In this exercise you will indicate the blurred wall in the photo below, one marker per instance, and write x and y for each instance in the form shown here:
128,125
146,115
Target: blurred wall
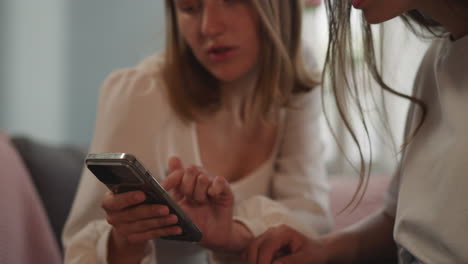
32,43
3,21
56,53
103,36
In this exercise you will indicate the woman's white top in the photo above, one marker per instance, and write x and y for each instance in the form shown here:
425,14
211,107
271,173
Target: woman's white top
134,116
429,194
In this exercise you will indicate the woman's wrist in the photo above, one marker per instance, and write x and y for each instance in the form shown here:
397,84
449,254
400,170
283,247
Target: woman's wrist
339,247
120,250
242,236
239,238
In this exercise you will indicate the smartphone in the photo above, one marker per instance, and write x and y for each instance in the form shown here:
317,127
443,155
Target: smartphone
122,172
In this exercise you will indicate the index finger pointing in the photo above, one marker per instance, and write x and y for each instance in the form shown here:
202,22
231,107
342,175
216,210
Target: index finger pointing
174,179
174,164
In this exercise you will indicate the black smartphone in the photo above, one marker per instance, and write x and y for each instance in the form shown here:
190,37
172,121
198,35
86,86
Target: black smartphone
122,172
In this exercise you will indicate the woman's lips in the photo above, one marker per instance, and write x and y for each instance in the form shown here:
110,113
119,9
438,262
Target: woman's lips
221,53
357,3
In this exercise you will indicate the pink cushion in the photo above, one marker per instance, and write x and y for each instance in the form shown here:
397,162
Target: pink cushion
25,233
342,191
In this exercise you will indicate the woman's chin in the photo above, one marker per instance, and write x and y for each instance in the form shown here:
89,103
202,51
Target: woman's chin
377,18
226,77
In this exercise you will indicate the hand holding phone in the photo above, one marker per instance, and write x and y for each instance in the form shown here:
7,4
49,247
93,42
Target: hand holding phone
123,173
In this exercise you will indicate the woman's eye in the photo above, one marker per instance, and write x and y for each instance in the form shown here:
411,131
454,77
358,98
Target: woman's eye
189,9
189,6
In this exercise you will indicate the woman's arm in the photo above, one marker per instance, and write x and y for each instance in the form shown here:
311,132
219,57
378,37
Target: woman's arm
370,241
120,127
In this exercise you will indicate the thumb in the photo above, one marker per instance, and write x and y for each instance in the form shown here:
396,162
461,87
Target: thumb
174,179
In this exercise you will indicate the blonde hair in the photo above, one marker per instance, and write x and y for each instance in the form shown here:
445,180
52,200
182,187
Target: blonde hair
281,72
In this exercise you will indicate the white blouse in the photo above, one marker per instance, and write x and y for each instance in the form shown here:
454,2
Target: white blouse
134,116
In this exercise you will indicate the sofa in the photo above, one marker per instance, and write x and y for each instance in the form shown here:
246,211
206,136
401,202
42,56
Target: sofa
55,172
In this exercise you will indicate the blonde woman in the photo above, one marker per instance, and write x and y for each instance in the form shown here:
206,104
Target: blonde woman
231,96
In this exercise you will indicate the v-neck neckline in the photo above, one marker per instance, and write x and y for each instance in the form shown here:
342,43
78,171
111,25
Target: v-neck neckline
273,154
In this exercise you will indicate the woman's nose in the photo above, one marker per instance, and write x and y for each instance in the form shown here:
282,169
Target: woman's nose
213,20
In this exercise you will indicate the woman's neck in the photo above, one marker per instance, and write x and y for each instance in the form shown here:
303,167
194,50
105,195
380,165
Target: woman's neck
453,15
234,96
235,93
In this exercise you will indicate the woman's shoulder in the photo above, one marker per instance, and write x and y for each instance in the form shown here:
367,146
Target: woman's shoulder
136,89
146,73
151,65
132,85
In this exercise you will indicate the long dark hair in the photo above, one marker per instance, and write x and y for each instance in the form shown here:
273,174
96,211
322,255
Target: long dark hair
420,24
340,75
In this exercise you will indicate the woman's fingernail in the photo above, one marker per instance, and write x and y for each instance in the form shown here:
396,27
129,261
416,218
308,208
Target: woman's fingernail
174,219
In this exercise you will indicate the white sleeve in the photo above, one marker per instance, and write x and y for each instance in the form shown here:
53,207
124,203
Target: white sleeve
86,232
299,185
89,245
391,197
